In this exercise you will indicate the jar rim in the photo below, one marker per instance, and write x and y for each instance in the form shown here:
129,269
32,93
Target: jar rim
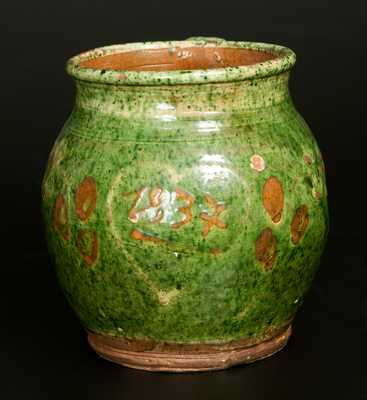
280,59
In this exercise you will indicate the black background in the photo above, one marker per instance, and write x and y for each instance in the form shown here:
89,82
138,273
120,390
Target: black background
44,354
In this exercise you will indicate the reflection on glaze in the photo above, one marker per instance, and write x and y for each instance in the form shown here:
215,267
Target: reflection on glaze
157,205
165,107
209,126
212,168
213,158
213,172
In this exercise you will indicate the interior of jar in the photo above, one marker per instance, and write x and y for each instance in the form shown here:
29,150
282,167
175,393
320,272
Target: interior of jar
178,58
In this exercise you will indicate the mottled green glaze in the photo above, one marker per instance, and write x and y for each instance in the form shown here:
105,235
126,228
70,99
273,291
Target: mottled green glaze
192,132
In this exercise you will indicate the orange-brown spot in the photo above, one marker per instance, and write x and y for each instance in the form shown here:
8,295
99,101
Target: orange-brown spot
299,223
265,247
210,221
318,195
215,251
186,209
86,198
87,244
139,235
257,163
273,198
60,217
307,159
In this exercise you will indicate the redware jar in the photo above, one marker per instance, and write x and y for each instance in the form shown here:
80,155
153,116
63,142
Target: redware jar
185,202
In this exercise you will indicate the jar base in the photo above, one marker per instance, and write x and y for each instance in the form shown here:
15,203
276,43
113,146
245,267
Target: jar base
184,358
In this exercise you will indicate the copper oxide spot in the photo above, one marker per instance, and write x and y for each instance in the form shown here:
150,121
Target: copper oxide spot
299,223
87,244
86,198
265,248
60,217
273,198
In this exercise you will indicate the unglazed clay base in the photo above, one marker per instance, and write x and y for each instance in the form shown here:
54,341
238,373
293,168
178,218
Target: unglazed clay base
184,358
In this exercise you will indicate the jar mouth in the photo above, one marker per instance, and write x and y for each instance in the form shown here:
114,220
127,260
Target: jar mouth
196,60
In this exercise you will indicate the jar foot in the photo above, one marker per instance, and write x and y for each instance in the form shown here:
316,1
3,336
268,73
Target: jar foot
165,357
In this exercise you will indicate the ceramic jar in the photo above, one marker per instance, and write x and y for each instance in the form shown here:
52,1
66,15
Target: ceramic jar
185,202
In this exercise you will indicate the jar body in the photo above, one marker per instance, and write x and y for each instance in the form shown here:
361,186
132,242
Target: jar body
186,215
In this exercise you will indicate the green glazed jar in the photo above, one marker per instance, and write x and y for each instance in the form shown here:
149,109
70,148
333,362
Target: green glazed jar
185,202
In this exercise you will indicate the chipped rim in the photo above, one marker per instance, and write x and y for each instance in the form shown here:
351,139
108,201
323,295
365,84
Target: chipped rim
284,61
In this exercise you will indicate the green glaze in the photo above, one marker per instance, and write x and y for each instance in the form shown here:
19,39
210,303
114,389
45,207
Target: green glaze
179,146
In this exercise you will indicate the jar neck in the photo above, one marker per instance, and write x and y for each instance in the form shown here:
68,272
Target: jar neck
182,101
